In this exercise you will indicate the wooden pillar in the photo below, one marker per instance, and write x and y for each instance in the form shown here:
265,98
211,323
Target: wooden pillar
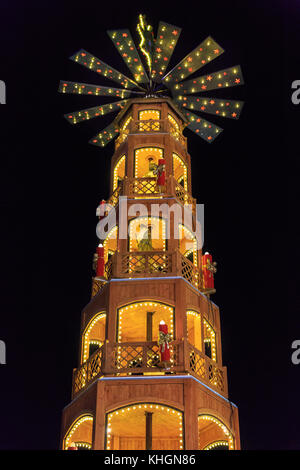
148,430
149,325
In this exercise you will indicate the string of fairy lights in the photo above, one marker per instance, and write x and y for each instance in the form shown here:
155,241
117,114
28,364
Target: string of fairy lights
124,414
222,426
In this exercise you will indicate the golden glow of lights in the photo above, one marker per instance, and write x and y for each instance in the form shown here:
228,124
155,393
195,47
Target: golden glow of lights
221,425
140,305
120,166
216,444
177,160
148,150
152,221
75,426
184,232
144,407
212,338
86,334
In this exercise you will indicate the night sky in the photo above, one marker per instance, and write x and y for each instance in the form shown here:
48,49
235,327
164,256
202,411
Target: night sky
52,181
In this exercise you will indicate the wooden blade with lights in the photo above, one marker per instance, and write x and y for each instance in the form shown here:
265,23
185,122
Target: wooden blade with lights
226,78
94,90
97,111
218,107
91,62
203,54
166,40
123,41
105,136
205,129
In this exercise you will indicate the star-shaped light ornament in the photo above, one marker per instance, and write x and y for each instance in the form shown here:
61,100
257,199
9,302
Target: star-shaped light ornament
151,79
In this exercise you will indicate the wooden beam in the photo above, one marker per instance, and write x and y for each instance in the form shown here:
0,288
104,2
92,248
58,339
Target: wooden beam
148,430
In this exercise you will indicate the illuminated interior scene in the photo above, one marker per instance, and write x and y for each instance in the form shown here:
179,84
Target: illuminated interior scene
94,335
145,426
194,329
147,115
119,171
188,244
145,161
147,234
80,433
110,243
139,321
209,340
213,434
180,171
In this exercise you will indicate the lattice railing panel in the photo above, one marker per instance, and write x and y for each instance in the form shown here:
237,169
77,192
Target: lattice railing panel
196,362
90,369
189,271
146,263
144,186
149,125
216,376
114,198
108,268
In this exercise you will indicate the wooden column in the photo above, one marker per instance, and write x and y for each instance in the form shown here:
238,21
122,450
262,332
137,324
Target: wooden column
148,430
149,325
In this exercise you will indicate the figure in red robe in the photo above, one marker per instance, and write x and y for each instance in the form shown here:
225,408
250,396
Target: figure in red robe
208,269
164,346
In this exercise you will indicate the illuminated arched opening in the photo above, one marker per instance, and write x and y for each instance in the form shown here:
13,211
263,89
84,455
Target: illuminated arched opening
209,340
110,243
147,234
147,114
119,171
124,131
180,171
80,432
173,122
188,244
211,431
217,445
145,426
145,159
94,335
194,329
139,321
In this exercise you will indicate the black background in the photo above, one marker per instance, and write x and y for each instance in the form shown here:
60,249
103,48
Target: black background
52,181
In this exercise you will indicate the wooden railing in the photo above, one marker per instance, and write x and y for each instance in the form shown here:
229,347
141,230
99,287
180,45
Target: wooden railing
152,264
137,358
147,188
151,126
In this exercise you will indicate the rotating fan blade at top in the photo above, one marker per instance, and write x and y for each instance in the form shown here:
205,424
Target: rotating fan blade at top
123,41
91,62
226,78
94,90
203,54
166,40
105,136
219,107
205,129
91,113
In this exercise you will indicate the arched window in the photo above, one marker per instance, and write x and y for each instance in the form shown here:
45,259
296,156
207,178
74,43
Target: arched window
188,244
145,426
180,171
80,433
110,243
209,340
139,321
145,160
147,234
212,432
94,335
119,171
194,329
